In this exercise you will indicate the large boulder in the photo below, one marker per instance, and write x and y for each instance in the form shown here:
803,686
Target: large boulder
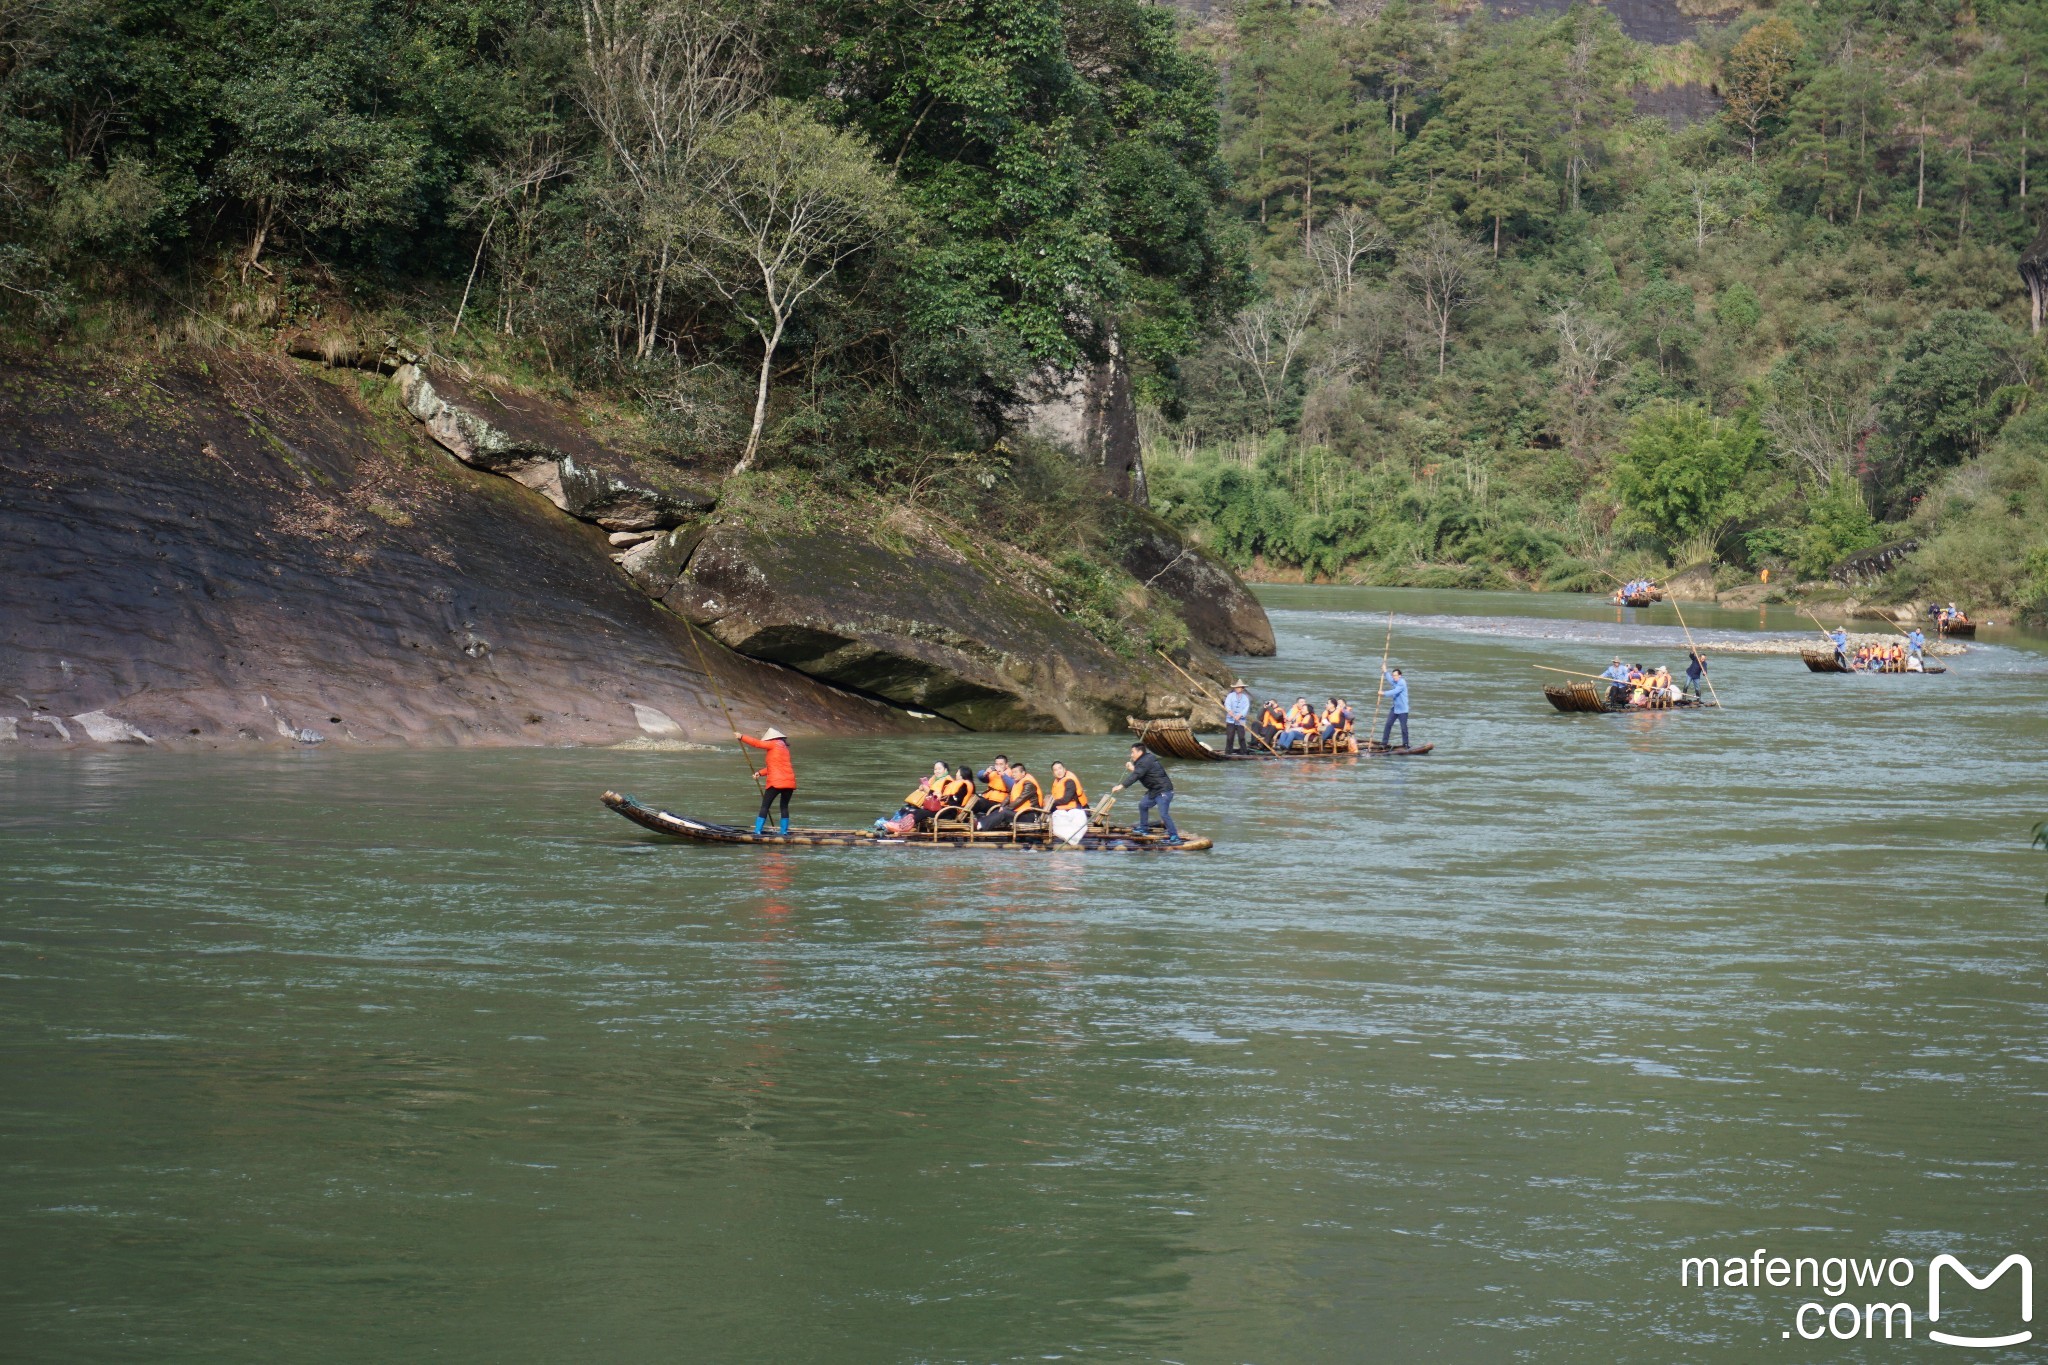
1220,611
900,614
527,440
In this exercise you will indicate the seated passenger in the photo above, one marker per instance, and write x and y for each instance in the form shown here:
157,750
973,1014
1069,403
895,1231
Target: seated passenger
1066,790
995,786
1026,805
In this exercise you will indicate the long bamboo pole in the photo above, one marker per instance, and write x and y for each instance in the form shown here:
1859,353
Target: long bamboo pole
1570,672
1385,652
719,693
1206,694
1696,654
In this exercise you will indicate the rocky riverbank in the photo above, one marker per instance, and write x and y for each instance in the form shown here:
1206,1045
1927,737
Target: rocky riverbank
242,550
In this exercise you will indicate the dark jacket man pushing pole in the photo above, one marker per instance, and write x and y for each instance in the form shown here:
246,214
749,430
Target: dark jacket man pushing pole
1146,770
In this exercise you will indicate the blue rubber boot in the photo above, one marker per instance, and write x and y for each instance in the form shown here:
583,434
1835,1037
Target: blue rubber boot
785,826
760,823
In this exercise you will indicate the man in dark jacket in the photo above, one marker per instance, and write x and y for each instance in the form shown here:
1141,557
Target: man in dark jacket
1146,770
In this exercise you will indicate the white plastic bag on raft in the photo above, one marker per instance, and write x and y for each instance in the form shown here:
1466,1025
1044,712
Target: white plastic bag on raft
1068,825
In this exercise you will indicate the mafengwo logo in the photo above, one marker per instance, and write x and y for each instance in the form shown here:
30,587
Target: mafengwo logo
1848,1315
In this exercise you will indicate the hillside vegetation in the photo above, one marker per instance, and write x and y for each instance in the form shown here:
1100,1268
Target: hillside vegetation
1407,295
1510,332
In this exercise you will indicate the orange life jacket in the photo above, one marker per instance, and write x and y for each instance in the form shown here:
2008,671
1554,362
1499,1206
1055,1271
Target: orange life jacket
1301,718
1067,793
1026,794
1332,717
956,791
998,788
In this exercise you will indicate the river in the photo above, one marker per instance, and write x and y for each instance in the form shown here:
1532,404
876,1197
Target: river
333,1057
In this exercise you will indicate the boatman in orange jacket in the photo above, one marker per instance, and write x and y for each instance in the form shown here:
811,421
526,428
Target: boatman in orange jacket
778,774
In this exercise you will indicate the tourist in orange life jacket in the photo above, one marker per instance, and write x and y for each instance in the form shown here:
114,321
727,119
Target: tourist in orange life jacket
1272,720
1332,720
1301,723
777,772
957,791
1066,790
1026,798
995,790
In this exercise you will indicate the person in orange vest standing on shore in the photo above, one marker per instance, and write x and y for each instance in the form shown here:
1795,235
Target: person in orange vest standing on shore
777,774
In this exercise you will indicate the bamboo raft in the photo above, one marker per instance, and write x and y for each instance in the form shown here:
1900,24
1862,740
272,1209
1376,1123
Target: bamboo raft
1100,838
1173,737
1641,599
1592,698
1958,630
1827,661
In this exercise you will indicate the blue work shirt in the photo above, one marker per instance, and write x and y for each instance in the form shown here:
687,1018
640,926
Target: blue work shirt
1917,641
1616,673
1841,639
1397,694
1236,706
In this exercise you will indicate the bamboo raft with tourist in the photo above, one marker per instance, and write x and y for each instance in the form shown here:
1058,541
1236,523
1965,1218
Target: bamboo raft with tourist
1175,737
1634,689
1829,661
1908,655
1295,732
949,835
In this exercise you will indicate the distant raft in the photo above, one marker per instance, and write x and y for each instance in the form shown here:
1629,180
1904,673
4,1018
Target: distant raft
1592,697
1958,630
1827,661
1641,599
1099,839
1173,737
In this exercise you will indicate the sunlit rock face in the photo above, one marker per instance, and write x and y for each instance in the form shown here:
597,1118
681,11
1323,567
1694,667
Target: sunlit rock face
251,556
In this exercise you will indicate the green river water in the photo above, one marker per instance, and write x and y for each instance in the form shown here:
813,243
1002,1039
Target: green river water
388,1056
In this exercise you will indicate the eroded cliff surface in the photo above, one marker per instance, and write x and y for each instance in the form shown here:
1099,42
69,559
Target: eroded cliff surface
250,549
263,554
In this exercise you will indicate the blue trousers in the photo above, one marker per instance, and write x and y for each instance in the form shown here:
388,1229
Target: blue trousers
1388,737
1164,800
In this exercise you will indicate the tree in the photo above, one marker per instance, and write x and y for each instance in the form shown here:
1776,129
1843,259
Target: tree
1304,117
793,200
1665,309
1592,98
1683,475
1266,339
311,150
1586,345
1822,404
1943,400
662,79
1756,77
1482,155
1347,237
1441,273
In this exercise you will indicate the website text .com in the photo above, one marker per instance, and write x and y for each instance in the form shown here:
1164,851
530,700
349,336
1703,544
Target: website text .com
1840,1312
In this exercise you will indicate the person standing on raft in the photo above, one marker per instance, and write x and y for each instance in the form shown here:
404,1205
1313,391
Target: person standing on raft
1145,769
777,773
1237,708
1395,688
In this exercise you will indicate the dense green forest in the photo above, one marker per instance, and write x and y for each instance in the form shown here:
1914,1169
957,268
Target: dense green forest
1511,331
1409,295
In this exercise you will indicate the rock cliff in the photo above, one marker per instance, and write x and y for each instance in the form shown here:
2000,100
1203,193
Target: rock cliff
251,555
259,551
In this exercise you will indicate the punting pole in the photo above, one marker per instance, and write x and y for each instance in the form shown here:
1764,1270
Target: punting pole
716,692
1380,696
1696,654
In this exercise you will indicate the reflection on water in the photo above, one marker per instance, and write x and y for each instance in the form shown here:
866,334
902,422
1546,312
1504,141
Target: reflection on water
331,1056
